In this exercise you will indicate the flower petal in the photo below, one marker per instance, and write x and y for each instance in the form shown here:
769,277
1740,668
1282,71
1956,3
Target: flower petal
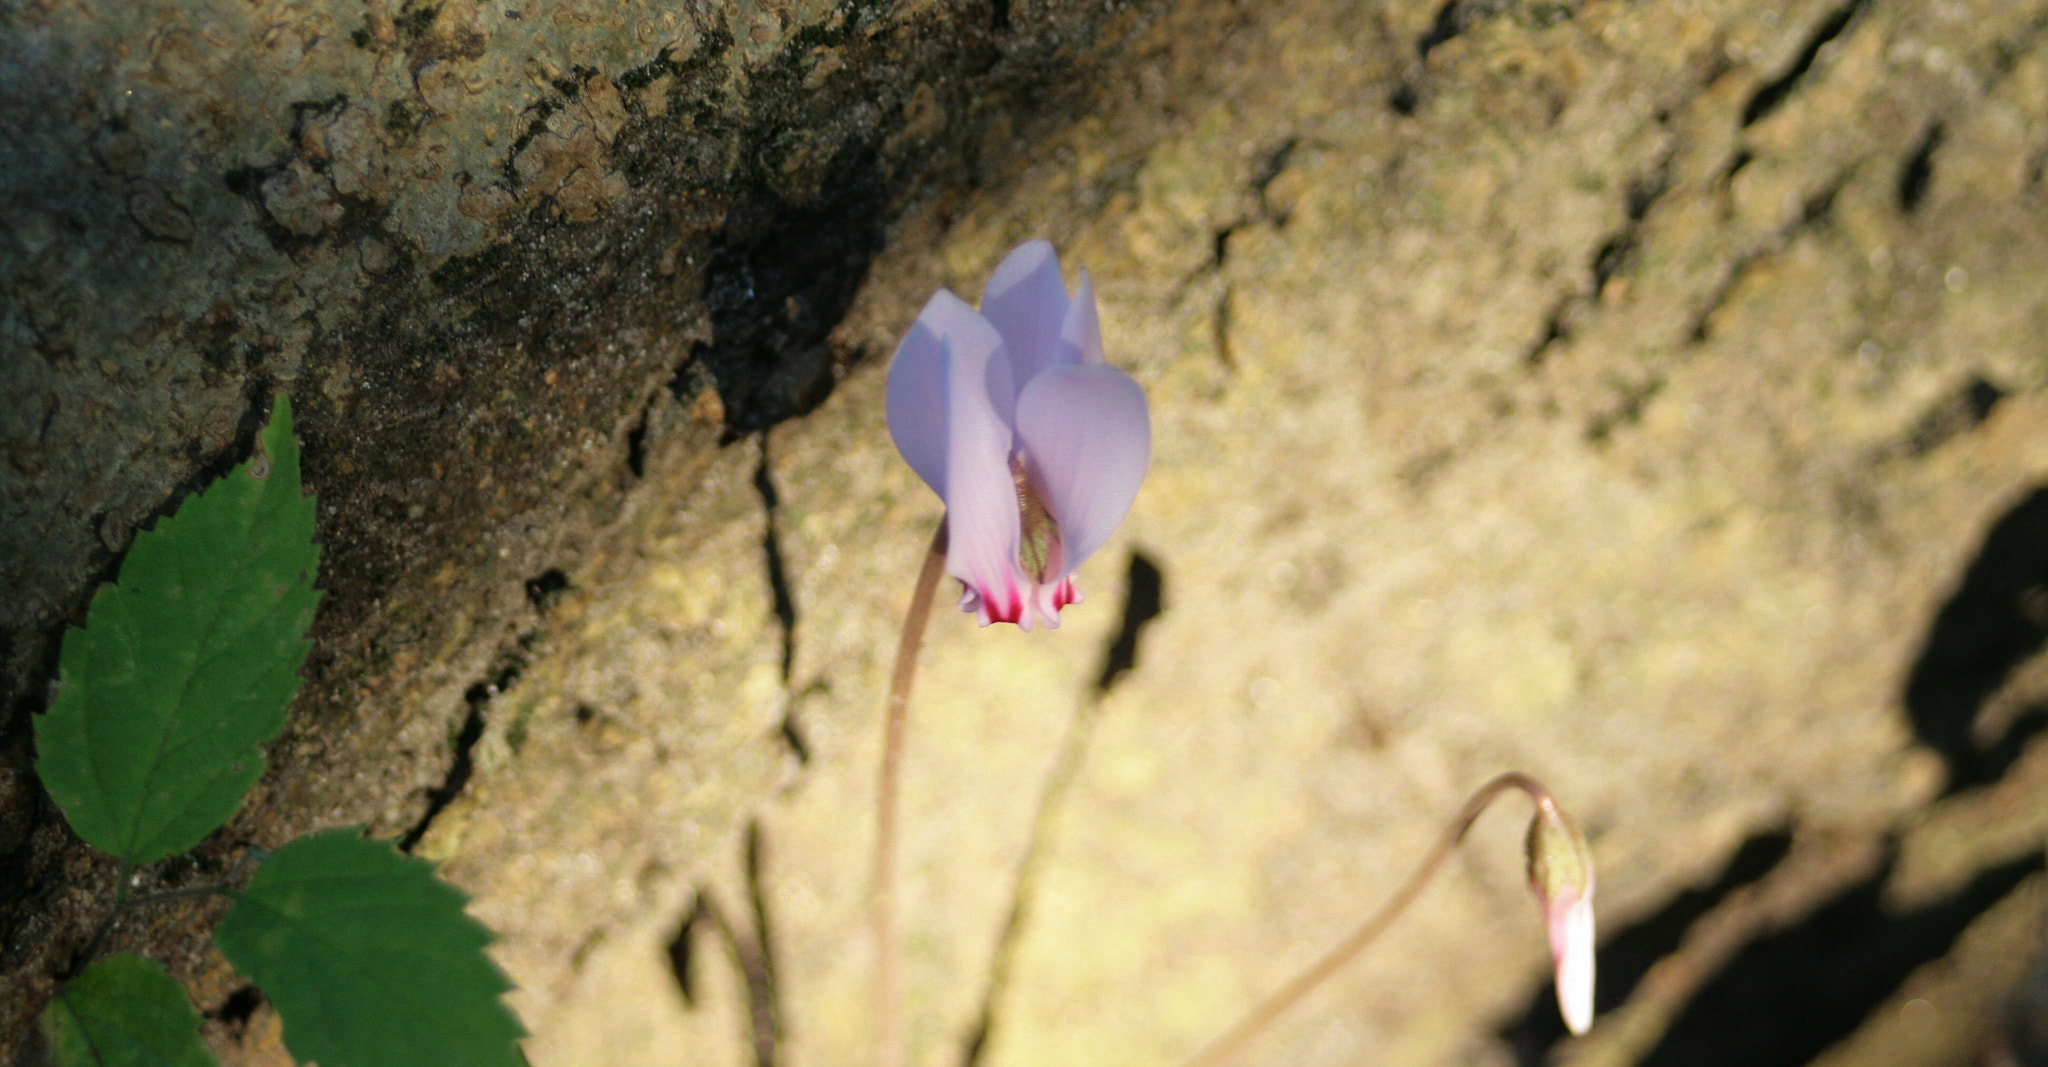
1571,951
1026,301
917,400
980,492
1087,438
1081,332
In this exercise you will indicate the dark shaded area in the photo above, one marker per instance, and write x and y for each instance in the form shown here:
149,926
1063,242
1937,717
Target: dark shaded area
463,762
792,733
1404,99
1996,619
2026,1022
27,892
1772,93
1645,190
1629,953
783,597
1611,257
546,588
1918,170
1144,587
1958,412
682,949
636,446
779,281
1276,161
1789,996
771,552
1556,328
757,200
764,1010
753,953
239,1006
1454,18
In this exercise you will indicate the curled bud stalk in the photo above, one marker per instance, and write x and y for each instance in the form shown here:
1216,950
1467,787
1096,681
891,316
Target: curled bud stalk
1560,870
1561,873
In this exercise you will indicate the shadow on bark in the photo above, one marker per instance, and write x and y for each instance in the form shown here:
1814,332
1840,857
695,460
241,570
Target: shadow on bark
1789,995
1996,620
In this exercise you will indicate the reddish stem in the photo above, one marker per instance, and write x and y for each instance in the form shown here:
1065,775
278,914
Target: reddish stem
888,991
1234,1040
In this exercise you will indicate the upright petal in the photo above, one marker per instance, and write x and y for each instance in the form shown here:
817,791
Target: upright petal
1087,438
981,494
917,400
1026,301
1081,332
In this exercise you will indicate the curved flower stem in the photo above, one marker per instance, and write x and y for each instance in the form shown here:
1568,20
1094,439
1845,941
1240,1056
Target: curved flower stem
888,994
1233,1041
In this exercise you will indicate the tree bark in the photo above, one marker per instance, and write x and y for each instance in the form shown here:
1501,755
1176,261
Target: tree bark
499,255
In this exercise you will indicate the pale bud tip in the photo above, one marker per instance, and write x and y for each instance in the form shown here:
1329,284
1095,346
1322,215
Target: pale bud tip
1571,949
1561,873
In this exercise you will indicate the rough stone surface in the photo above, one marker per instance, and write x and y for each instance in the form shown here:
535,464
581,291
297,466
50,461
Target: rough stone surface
1648,397
503,255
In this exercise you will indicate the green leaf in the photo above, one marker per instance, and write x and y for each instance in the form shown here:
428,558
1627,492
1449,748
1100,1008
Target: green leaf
124,1011
369,959
186,665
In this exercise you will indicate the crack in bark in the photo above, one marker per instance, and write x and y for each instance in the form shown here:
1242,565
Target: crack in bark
1812,214
1918,170
1615,254
1771,94
771,551
1556,329
782,596
463,763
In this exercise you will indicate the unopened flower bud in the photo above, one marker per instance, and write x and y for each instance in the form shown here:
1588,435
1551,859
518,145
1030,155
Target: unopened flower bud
1561,873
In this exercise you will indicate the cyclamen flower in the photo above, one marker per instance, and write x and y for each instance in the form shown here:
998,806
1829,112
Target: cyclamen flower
1036,446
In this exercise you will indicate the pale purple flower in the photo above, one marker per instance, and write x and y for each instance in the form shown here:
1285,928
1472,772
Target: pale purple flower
1036,446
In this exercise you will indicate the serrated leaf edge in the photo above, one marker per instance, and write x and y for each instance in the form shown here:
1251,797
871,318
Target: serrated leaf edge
410,866
277,434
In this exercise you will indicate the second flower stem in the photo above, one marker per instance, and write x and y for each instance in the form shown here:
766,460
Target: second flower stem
888,989
1231,1043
